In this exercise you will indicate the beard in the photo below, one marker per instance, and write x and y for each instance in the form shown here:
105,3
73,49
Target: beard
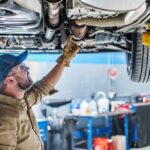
24,84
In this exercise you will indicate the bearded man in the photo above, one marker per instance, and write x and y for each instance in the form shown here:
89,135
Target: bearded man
18,128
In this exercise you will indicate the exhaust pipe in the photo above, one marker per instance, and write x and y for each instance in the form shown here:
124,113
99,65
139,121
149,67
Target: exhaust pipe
121,20
78,31
54,21
53,12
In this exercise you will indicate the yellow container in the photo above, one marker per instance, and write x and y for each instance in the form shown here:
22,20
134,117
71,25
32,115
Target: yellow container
146,38
148,26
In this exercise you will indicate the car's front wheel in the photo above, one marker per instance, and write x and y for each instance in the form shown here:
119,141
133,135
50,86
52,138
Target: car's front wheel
138,62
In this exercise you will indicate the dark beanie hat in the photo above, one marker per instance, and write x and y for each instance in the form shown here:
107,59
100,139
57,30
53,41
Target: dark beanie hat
7,62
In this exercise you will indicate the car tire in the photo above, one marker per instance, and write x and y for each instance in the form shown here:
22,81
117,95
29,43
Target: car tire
138,62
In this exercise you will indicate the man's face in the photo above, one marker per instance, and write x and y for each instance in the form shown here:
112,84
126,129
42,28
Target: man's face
22,76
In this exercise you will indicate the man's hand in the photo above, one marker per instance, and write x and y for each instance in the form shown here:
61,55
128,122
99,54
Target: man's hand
69,51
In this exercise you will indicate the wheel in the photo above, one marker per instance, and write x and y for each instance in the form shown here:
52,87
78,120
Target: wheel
138,62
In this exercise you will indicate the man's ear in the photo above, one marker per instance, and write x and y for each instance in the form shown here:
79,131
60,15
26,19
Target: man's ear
10,80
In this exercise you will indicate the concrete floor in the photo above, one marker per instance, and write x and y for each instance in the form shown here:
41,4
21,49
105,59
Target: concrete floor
145,148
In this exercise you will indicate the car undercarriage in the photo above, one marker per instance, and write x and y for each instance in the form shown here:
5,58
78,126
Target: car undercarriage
43,26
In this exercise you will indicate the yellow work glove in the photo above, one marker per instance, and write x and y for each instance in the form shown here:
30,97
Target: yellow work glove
69,51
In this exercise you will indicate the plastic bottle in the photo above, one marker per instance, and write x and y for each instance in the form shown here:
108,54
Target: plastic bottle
75,106
84,109
93,107
102,102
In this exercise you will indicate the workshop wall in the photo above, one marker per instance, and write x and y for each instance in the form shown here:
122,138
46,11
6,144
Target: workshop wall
89,74
84,77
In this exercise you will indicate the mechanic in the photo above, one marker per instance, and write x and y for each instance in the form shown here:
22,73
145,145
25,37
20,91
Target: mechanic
18,128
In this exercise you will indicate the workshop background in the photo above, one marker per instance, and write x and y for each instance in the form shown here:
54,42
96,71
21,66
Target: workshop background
87,75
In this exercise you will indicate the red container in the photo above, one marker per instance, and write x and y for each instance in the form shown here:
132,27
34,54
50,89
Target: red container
110,145
100,144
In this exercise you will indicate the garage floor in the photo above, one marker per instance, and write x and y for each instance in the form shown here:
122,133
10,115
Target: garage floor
145,148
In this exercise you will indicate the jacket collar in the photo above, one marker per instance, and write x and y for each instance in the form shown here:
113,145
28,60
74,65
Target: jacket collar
19,104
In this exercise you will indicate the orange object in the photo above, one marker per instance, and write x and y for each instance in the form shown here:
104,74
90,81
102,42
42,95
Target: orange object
100,144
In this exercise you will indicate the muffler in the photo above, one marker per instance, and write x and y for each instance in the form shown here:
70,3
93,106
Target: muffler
120,20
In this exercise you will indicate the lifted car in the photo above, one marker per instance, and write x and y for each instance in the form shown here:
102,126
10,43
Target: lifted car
42,26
